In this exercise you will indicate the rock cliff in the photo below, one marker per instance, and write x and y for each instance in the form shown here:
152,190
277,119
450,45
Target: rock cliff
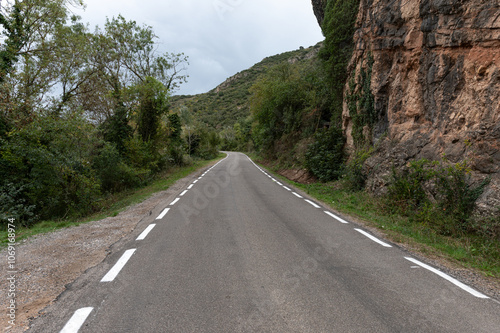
435,81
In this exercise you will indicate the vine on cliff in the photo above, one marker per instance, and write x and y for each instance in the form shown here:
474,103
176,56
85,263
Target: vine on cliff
361,104
338,28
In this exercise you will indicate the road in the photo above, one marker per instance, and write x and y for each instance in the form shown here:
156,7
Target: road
238,251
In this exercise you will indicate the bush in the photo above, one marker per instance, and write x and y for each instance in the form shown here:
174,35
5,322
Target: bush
354,178
14,205
49,160
114,175
324,157
144,157
406,192
457,193
435,193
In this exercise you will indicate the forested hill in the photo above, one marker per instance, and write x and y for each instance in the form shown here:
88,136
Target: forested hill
224,105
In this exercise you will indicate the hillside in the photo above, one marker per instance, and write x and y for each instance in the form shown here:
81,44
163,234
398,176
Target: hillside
224,105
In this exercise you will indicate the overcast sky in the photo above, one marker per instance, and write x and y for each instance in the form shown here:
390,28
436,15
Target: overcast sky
221,37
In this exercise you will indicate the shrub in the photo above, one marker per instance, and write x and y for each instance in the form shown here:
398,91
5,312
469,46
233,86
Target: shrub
324,157
114,175
435,193
49,160
354,178
14,205
457,193
406,191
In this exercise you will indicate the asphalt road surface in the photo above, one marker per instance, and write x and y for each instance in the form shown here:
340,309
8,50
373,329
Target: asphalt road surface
238,251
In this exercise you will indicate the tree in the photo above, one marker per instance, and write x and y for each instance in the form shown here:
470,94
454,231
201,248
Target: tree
152,97
277,103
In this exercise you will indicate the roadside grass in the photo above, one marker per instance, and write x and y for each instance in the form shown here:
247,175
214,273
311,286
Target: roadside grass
113,204
467,250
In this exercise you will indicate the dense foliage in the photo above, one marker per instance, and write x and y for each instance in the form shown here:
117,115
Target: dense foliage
84,114
437,194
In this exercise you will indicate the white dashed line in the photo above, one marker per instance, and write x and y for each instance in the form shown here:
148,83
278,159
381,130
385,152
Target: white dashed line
279,183
297,195
113,272
175,201
312,203
336,217
146,232
77,320
373,238
286,188
162,215
448,278
195,181
183,193
190,186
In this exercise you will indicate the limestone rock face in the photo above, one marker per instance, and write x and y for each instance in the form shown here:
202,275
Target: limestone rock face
436,85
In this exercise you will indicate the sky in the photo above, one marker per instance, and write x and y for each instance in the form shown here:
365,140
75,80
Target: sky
220,37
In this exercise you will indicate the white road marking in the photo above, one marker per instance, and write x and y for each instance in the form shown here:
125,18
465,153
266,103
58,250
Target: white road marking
113,272
77,320
279,183
336,217
373,238
448,278
182,194
190,186
146,232
195,181
298,195
312,203
175,201
286,188
162,215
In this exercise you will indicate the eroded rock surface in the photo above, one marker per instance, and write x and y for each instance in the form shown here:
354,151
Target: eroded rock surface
436,85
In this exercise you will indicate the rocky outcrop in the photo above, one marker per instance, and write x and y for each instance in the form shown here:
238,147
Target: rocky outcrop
436,85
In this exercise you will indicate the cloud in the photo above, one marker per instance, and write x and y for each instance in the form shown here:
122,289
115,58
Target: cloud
221,37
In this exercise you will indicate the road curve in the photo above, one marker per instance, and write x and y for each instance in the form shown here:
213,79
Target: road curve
238,251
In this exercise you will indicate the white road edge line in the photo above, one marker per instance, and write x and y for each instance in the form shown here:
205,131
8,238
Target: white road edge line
145,232
286,188
190,186
373,238
76,321
279,183
175,201
162,215
297,195
113,272
312,203
448,278
336,217
183,193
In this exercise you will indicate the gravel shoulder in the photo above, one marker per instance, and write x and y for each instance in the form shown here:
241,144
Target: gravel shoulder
47,263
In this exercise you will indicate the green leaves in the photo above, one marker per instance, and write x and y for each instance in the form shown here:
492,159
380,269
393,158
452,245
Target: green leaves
325,157
277,103
49,163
